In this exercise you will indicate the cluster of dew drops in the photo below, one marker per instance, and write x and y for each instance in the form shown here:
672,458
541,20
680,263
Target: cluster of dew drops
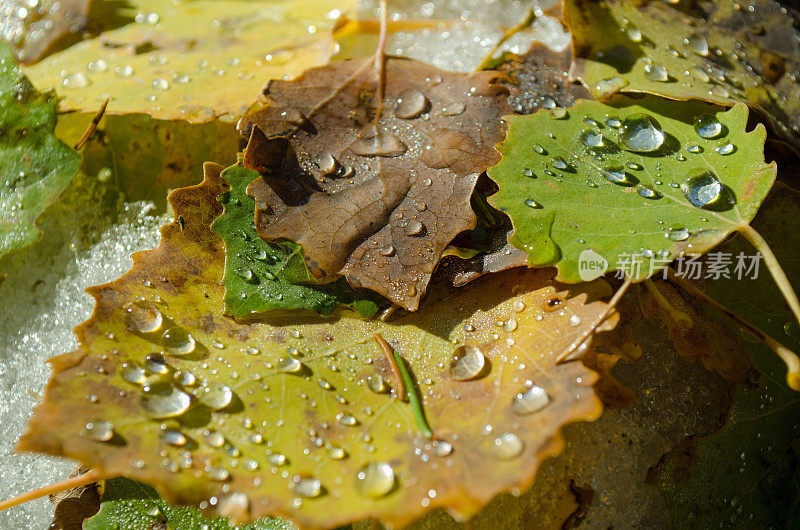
167,393
641,133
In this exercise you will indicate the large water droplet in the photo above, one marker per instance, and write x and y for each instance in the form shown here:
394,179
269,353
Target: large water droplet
214,438
307,487
289,365
162,400
678,234
696,44
507,445
382,144
142,317
155,364
615,172
216,396
725,149
531,400
708,126
454,109
468,363
640,133
178,341
633,33
410,104
560,163
132,373
375,479
376,383
656,72
99,431
591,138
347,419
648,193
414,227
704,190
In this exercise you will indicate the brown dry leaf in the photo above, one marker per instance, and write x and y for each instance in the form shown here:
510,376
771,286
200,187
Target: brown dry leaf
279,418
375,202
71,507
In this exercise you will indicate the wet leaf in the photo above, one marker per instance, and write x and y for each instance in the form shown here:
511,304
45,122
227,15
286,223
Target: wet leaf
35,165
758,443
720,52
262,276
377,206
35,29
204,407
130,505
633,183
194,61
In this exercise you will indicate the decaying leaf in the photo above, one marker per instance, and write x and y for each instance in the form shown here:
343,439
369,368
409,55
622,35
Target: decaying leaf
297,418
35,166
71,507
717,51
373,190
129,505
759,442
628,186
34,29
262,276
195,61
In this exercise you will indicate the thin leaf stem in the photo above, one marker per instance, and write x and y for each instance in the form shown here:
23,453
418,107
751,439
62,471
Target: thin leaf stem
787,356
399,384
411,389
92,126
771,261
63,485
596,322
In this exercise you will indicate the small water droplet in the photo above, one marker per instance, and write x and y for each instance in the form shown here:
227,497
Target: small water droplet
574,320
507,445
560,163
510,325
178,341
217,474
414,227
591,138
453,109
719,90
530,203
468,362
648,193
697,44
276,459
173,437
99,431
75,80
558,113
216,396
441,448
614,122
155,364
213,439
162,400
633,33
640,133
382,144
531,400
307,487
678,234
347,419
289,365
133,373
694,149
539,149
725,149
161,84
708,126
410,104
375,479
615,172
376,383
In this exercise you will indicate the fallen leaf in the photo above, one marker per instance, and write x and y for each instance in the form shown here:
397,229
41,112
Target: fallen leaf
129,504
719,53
256,419
36,166
193,61
628,186
758,443
71,507
261,276
378,206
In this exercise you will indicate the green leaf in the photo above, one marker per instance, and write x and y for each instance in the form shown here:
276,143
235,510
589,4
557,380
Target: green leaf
715,51
130,505
566,198
35,166
262,276
747,474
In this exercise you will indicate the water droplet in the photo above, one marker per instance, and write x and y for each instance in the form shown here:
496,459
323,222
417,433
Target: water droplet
558,113
98,66
708,126
414,227
633,33
99,431
530,203
213,438
700,74
289,365
615,172
610,85
648,193
217,474
142,317
75,80
185,378
347,419
276,459
655,72
178,341
719,90
468,362
173,437
560,163
307,487
375,479
216,396
531,400
640,133
694,149
324,384
725,149
124,71
410,104
510,324
161,84
376,383
539,149
591,138
696,44
441,448
382,144
155,364
575,320
614,122
704,190
678,234
453,109
162,400
507,445
132,373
